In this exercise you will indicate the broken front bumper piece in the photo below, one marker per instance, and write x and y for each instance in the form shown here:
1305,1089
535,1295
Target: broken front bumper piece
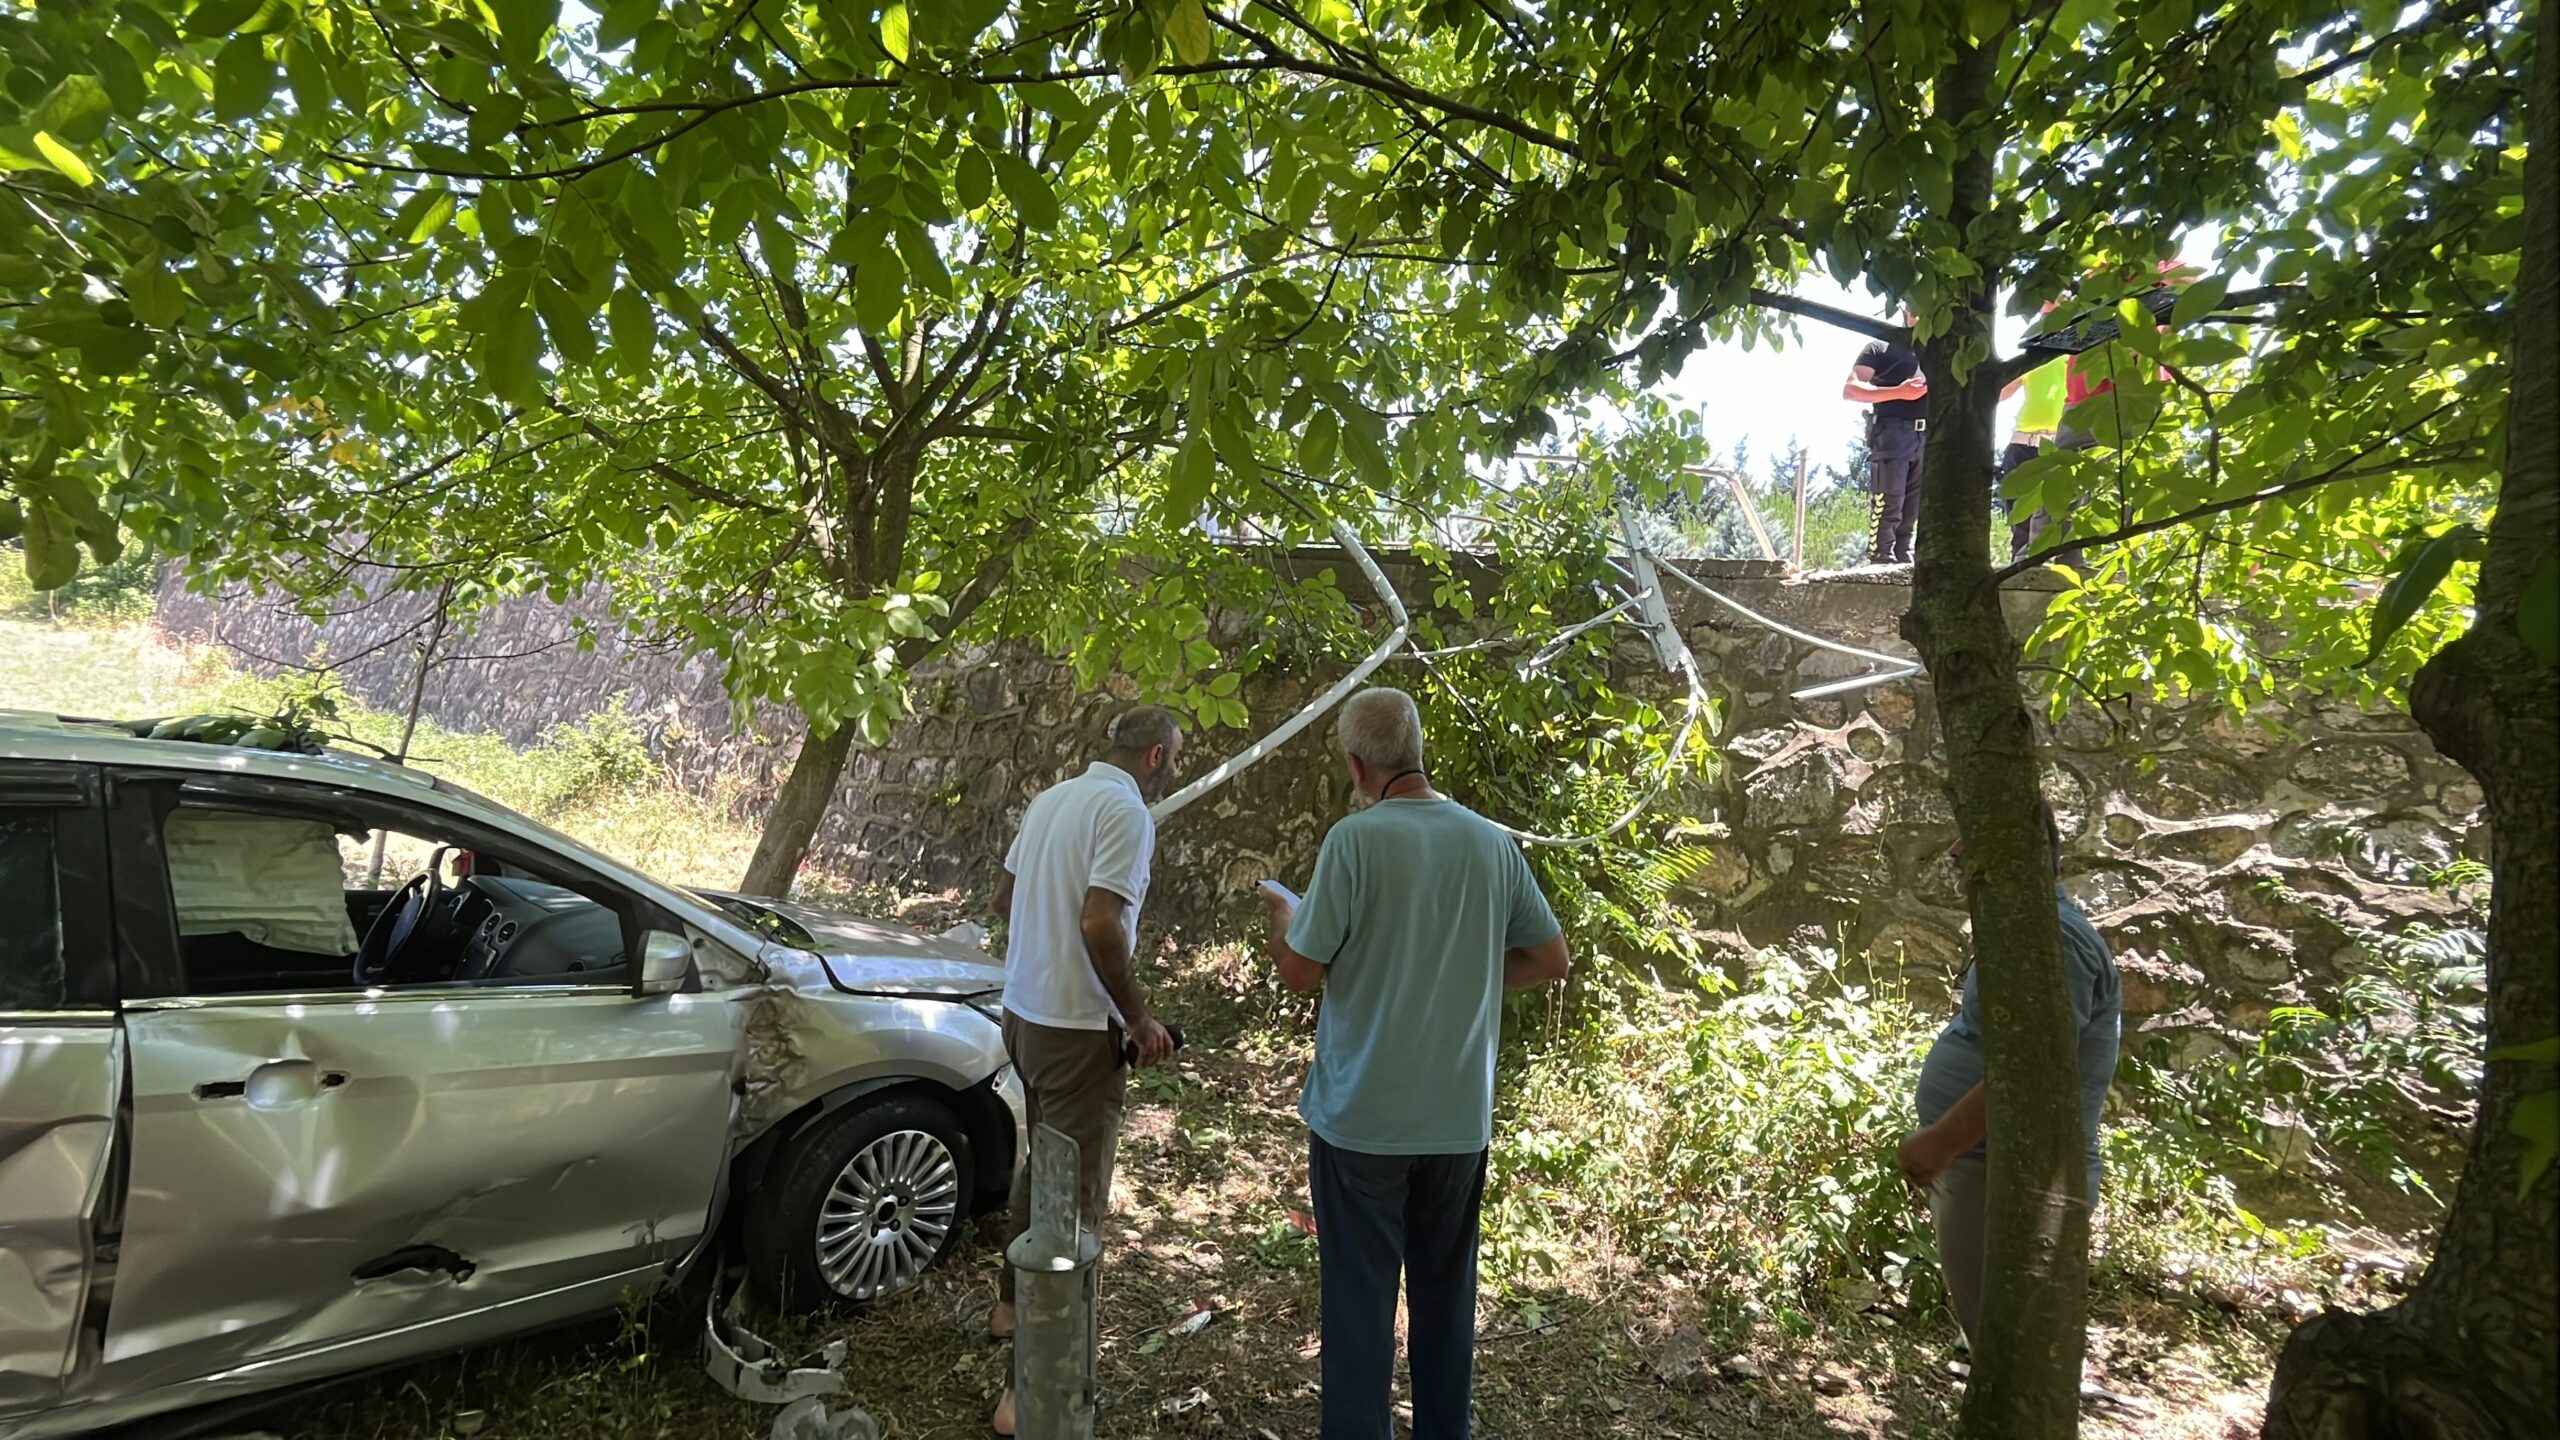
746,1365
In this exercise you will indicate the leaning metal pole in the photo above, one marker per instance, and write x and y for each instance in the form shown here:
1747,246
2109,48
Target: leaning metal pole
1054,1272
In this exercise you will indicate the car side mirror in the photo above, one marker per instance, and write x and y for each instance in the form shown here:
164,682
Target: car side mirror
666,962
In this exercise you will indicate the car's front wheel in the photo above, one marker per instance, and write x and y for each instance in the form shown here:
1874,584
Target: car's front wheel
861,1204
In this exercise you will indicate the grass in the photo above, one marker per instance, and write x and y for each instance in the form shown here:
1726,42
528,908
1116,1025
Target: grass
590,779
1692,1212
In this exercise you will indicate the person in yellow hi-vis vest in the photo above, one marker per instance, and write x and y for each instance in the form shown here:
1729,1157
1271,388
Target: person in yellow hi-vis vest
2038,420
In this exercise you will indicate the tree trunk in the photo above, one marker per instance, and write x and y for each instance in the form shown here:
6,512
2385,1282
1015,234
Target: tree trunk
2026,1372
797,808
2475,1349
811,786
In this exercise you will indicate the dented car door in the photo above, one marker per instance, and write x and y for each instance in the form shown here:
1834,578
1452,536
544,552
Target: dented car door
356,1176
61,1076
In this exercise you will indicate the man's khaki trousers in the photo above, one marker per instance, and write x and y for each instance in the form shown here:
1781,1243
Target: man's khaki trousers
1073,1081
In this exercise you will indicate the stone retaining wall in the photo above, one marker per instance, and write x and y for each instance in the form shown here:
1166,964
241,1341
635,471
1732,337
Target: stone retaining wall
2233,865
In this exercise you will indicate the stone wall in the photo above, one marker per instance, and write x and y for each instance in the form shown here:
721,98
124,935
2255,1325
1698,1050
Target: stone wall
2233,865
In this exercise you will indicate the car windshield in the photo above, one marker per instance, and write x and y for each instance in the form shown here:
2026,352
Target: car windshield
772,925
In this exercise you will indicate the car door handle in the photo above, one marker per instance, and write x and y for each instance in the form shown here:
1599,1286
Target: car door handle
276,1085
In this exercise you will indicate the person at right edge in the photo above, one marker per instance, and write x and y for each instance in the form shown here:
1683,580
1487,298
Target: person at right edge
1948,1156
1421,914
1887,377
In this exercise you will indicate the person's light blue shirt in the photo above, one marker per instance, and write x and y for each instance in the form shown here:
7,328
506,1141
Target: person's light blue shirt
1954,1063
1413,905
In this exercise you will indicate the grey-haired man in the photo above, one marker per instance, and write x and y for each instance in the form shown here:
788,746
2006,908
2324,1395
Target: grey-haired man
1421,914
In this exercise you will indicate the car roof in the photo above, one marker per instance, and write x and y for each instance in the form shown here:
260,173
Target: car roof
34,735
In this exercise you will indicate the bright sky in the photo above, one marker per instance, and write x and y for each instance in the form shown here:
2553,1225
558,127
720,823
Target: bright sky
1766,396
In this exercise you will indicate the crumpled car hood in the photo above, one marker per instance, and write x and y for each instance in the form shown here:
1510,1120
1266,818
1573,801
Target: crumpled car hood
877,957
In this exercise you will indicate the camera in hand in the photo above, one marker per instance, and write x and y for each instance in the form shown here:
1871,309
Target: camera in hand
1129,1047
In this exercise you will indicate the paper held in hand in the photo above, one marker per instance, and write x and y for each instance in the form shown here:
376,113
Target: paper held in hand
1274,887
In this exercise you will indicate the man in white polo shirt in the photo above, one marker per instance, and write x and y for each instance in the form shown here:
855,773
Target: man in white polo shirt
1071,890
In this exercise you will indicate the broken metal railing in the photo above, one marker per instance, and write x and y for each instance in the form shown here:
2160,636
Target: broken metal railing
1896,666
1644,573
1236,764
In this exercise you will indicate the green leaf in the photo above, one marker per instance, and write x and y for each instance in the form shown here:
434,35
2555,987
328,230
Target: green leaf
2421,566
1029,191
424,213
2538,614
511,348
894,35
1188,29
22,272
972,179
2198,300
923,261
635,332
270,17
879,290
125,85
306,74
76,111
2136,329
217,18
154,293
2537,1121
521,26
66,164
1188,481
567,322
244,79
52,554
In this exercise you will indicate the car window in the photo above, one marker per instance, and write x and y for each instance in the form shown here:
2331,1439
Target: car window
380,859
275,894
30,912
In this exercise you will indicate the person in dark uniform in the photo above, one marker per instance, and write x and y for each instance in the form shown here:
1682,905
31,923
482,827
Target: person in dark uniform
1887,376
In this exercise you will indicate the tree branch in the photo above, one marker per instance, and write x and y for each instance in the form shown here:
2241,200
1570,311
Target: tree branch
2343,470
692,485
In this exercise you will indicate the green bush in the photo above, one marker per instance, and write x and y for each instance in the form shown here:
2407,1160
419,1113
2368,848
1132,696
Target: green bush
1749,1138
604,755
122,592
2399,1047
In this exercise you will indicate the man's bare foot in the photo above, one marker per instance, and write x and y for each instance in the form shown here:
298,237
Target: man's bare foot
1000,1321
1002,1423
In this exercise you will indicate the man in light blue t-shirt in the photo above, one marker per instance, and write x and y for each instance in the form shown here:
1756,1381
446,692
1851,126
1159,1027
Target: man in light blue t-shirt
1420,916
1947,1156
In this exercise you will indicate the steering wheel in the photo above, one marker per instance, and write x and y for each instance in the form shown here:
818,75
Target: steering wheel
403,921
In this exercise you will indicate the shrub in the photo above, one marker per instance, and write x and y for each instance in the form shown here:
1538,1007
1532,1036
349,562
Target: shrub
121,592
1749,1138
604,755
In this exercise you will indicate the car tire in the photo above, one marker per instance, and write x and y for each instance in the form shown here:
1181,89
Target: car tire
860,1205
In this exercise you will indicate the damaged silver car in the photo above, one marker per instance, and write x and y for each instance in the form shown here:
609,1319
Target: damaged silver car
311,1064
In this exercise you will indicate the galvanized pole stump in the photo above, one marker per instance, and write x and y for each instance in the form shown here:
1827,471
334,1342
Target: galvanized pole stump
1054,1288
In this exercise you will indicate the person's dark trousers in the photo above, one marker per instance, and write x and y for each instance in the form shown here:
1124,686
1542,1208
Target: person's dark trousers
1893,459
1378,1216
2010,459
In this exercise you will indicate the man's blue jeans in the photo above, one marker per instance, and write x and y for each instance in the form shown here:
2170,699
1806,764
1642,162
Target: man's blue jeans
1381,1218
